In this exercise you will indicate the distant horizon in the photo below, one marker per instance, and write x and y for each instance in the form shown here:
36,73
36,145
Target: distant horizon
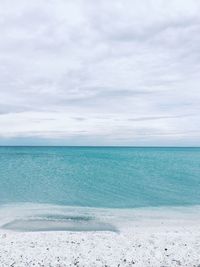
117,146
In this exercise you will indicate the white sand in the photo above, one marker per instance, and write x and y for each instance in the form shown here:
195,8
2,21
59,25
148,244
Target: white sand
149,246
154,242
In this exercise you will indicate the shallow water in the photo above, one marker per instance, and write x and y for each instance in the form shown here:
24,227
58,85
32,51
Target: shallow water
29,217
100,176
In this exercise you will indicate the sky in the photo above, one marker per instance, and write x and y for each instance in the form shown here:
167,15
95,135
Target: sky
85,72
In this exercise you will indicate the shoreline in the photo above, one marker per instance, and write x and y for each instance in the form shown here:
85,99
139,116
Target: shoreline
46,217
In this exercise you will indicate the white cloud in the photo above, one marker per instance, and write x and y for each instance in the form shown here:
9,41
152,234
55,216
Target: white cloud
100,72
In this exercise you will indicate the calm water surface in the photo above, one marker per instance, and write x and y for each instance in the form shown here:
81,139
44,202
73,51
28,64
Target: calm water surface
100,176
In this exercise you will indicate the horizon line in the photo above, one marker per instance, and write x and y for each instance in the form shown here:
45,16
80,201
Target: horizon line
113,146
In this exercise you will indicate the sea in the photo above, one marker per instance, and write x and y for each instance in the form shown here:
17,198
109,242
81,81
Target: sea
78,188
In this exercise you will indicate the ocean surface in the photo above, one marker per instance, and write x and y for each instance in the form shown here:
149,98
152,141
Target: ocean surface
95,177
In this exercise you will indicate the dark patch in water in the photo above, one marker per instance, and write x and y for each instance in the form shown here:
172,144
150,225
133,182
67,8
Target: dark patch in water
54,217
58,223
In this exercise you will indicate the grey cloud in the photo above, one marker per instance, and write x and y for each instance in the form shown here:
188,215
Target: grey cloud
7,109
79,118
159,118
122,93
121,22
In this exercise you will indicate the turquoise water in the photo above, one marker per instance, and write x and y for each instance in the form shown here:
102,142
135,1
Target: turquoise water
104,177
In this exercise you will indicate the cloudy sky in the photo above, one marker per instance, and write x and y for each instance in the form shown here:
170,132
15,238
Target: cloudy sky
106,72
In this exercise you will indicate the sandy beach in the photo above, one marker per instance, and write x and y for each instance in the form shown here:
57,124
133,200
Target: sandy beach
162,242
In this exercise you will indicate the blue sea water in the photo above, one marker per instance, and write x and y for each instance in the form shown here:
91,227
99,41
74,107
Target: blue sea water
100,177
